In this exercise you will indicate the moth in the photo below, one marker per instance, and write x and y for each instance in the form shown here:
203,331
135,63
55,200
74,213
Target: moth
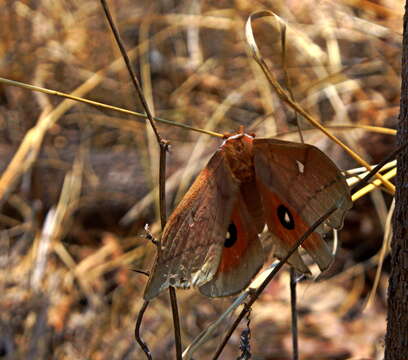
211,240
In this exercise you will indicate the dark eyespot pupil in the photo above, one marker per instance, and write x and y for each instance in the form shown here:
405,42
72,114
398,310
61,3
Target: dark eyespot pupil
231,236
285,217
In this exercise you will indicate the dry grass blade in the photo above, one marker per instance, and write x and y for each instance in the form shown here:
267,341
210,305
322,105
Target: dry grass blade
343,128
373,185
146,82
383,164
171,184
31,144
56,224
28,151
78,98
67,285
208,333
385,248
202,142
43,249
354,175
354,294
286,98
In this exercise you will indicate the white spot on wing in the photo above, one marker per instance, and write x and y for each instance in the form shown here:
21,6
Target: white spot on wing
301,167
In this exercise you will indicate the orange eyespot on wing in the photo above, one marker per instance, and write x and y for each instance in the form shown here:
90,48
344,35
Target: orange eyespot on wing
287,227
242,255
299,184
211,239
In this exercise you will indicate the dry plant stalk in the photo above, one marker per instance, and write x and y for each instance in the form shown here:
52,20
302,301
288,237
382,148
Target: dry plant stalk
190,97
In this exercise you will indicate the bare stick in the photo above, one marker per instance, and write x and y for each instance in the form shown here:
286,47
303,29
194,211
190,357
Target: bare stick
163,219
293,308
162,176
292,280
176,322
133,77
162,184
137,331
265,283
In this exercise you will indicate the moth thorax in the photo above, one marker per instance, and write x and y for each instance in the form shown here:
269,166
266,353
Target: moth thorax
244,174
240,159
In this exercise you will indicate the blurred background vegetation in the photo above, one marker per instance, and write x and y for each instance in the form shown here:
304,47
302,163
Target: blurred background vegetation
72,226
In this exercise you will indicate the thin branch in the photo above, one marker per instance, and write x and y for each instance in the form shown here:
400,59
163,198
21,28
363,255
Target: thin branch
162,184
292,280
137,331
162,175
294,313
176,323
133,77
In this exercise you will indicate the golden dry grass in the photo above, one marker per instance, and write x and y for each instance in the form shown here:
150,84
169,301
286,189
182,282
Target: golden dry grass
67,288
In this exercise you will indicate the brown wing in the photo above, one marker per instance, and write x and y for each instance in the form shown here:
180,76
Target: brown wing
298,184
242,255
193,238
253,204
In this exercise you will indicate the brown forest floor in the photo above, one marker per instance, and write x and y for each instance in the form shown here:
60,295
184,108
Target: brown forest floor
66,281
